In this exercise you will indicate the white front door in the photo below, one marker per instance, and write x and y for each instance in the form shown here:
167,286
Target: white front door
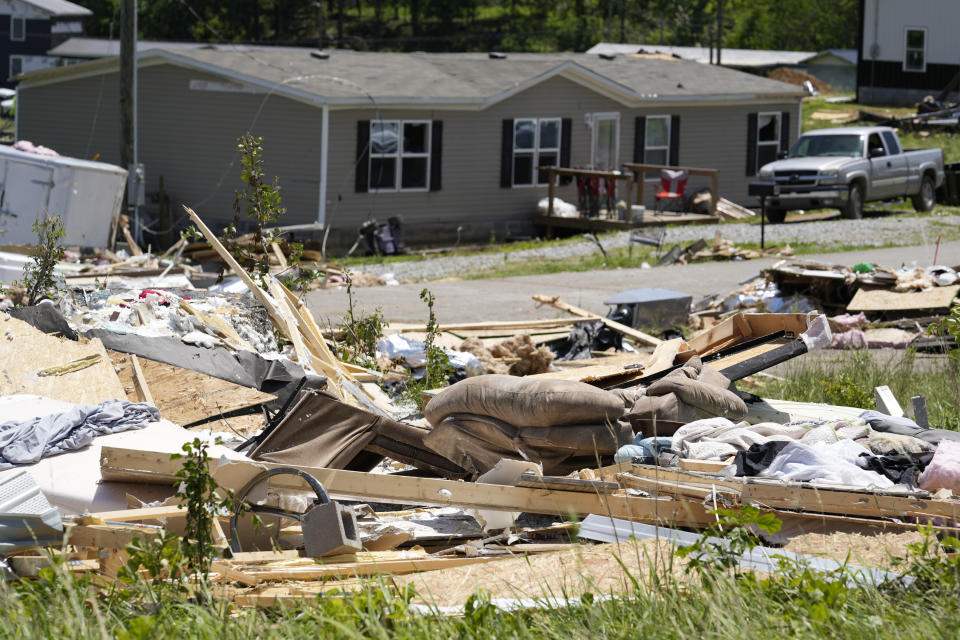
605,155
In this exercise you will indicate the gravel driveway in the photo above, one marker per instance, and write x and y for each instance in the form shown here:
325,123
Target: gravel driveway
867,232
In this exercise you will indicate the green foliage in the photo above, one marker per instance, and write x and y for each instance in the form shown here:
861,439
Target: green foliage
849,377
360,333
485,25
438,369
722,544
841,389
260,202
39,279
198,490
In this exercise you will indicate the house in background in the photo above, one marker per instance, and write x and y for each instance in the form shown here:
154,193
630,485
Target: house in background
753,60
907,50
30,28
81,49
448,142
836,67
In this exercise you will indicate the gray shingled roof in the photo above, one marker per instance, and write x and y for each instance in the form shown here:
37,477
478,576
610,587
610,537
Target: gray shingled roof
464,78
730,57
59,7
473,76
79,47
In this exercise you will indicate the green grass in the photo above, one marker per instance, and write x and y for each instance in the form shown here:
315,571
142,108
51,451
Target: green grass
793,603
848,378
921,138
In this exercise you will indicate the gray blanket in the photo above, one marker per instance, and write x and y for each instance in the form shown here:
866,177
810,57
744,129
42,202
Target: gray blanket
27,441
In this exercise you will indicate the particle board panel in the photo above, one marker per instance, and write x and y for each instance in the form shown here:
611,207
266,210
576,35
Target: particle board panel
187,397
25,350
887,300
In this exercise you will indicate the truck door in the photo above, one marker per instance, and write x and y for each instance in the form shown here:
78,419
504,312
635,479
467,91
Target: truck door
900,169
882,183
24,198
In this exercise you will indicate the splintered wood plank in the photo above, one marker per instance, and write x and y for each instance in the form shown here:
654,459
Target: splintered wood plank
25,351
184,396
630,332
775,495
887,300
120,464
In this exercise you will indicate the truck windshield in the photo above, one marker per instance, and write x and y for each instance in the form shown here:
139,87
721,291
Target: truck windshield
836,145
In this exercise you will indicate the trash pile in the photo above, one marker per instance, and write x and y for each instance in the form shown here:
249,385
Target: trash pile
720,249
585,416
872,306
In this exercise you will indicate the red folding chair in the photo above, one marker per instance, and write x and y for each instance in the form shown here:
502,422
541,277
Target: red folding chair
673,182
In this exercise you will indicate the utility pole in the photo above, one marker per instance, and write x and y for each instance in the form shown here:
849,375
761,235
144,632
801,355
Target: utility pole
128,107
128,12
719,28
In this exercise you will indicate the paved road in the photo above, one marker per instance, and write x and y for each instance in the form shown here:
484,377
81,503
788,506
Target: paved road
510,298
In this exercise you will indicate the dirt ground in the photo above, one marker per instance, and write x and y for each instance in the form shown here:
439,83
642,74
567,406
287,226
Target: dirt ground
601,569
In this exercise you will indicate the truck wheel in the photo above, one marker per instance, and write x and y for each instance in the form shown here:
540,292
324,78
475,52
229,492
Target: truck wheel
776,216
927,197
853,210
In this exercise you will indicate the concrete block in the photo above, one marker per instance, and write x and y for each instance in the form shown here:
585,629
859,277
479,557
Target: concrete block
330,529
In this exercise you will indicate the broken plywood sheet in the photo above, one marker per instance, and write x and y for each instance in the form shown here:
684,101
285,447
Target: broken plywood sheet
887,300
25,351
187,397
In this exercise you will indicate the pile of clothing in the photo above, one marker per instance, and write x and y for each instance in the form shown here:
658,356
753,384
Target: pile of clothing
872,451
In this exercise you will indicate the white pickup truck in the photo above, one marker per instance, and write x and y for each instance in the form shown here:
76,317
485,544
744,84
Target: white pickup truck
847,166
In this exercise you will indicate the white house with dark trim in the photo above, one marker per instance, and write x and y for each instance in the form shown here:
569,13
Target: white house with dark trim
444,141
908,49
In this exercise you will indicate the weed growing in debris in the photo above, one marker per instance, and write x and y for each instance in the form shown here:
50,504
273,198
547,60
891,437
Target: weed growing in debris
360,333
198,490
438,369
39,278
261,204
721,545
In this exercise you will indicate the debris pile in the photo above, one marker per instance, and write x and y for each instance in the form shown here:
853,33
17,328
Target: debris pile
360,471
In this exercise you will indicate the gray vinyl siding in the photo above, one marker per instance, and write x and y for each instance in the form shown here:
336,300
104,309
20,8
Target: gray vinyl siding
471,198
188,137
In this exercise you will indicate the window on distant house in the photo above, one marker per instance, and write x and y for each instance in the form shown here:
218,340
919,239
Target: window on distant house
915,55
536,143
656,140
768,137
18,28
16,66
399,155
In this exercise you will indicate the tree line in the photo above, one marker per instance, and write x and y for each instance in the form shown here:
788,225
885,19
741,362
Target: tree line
488,25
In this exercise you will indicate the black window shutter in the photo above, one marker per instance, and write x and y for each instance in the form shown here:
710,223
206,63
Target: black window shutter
436,155
506,155
674,141
362,169
566,132
751,144
784,131
639,138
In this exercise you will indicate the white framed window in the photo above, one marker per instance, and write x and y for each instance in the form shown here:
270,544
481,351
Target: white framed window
399,155
768,137
536,143
18,28
915,49
16,66
656,140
